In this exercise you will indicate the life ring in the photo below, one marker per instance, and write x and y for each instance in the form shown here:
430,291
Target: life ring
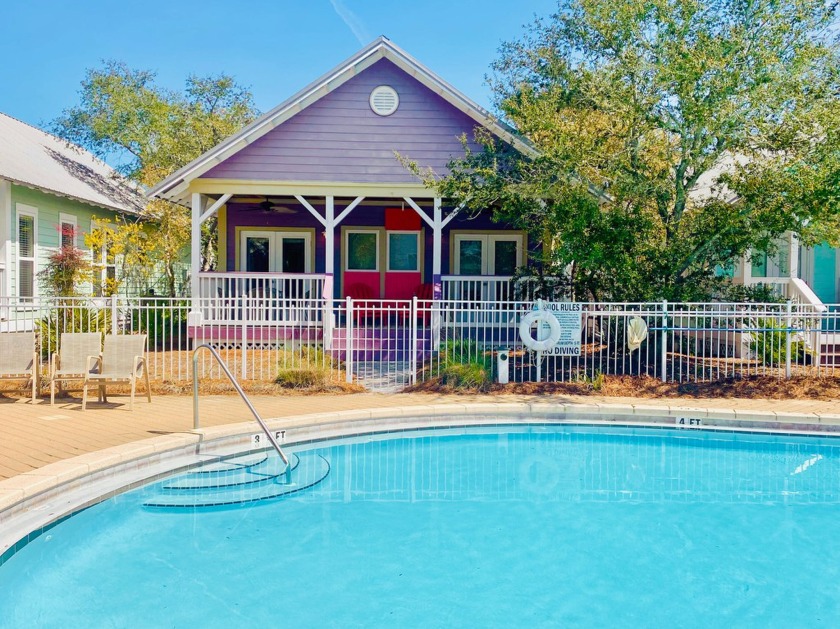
539,316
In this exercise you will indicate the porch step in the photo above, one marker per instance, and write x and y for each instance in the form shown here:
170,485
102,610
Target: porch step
310,470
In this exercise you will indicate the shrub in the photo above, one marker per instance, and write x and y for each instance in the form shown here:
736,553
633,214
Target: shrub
768,342
472,376
164,321
464,366
306,368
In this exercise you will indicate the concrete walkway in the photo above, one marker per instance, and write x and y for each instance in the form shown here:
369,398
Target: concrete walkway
35,435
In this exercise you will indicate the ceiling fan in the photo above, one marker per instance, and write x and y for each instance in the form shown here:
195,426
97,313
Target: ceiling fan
271,207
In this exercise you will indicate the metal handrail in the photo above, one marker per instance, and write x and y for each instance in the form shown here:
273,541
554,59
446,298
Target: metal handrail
241,393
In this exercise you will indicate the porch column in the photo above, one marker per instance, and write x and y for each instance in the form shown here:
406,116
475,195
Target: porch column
6,235
329,236
793,261
195,249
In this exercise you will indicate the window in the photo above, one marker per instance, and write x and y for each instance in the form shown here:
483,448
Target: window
27,238
403,250
276,252
104,266
67,230
759,264
487,254
362,251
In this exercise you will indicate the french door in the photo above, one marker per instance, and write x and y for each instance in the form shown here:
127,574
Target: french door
276,252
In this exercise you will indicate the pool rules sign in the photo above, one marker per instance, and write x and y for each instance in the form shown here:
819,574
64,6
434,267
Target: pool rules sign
570,316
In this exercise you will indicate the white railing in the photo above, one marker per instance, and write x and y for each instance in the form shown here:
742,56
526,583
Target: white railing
477,288
260,297
793,288
387,345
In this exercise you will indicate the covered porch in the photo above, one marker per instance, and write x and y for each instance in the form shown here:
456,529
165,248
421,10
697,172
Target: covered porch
284,256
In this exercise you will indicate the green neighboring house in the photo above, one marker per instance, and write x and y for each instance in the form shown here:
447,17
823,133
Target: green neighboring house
49,193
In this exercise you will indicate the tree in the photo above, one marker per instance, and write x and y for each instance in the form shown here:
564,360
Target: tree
658,126
150,132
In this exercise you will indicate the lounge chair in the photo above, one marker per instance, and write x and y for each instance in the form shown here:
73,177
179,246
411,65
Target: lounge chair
19,358
71,361
123,360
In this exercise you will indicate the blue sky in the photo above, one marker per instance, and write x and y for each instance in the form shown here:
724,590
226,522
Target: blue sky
273,47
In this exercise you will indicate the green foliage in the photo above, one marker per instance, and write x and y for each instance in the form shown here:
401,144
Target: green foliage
464,366
123,116
307,368
595,382
164,321
646,119
75,319
768,343
66,268
472,376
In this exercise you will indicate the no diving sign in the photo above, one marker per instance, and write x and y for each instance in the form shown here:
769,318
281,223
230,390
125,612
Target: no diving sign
570,316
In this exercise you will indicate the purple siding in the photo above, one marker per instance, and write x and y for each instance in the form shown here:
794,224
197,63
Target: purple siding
339,138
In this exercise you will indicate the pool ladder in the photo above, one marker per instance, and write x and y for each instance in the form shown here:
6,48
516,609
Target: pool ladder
196,423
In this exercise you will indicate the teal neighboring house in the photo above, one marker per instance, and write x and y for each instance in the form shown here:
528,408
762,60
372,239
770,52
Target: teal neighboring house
49,193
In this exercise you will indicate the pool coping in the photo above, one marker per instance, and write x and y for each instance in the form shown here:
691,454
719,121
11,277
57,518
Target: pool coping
38,498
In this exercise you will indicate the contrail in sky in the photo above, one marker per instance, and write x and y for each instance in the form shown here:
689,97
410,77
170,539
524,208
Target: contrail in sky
352,22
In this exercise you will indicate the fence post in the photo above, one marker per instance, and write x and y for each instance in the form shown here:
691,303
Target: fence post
788,333
113,314
412,378
664,341
348,342
246,307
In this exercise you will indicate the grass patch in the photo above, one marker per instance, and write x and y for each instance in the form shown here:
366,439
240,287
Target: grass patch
309,369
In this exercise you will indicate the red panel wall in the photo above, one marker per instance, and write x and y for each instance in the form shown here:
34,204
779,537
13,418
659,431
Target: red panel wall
397,219
401,285
370,279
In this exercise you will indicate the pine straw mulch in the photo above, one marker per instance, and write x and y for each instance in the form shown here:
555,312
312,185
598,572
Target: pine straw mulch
14,390
755,387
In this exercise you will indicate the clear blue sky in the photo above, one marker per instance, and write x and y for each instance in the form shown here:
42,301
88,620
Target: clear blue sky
274,47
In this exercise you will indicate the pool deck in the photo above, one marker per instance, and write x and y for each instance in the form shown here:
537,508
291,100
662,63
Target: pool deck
36,435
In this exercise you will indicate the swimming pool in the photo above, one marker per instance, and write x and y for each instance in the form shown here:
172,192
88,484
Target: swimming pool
523,526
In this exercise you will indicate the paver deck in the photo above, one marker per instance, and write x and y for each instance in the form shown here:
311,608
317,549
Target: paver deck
35,435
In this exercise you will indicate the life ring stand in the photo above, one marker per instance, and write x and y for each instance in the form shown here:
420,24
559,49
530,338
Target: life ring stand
539,316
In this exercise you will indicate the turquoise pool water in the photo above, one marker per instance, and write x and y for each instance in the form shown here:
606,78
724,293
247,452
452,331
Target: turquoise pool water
553,526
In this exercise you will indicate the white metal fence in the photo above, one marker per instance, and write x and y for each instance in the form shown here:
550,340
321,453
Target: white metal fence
387,345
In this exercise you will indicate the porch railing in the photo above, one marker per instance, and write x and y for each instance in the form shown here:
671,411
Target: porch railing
791,288
261,297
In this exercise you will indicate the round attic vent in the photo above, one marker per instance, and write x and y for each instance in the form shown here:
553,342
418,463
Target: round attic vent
384,100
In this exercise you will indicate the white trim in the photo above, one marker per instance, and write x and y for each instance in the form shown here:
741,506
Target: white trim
347,210
361,230
214,208
311,209
68,219
22,209
102,265
6,232
275,247
174,186
488,249
388,235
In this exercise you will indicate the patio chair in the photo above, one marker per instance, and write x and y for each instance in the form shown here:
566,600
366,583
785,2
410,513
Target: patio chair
19,358
123,360
71,361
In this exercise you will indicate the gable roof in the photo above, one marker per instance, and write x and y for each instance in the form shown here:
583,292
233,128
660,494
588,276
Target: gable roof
174,186
34,158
